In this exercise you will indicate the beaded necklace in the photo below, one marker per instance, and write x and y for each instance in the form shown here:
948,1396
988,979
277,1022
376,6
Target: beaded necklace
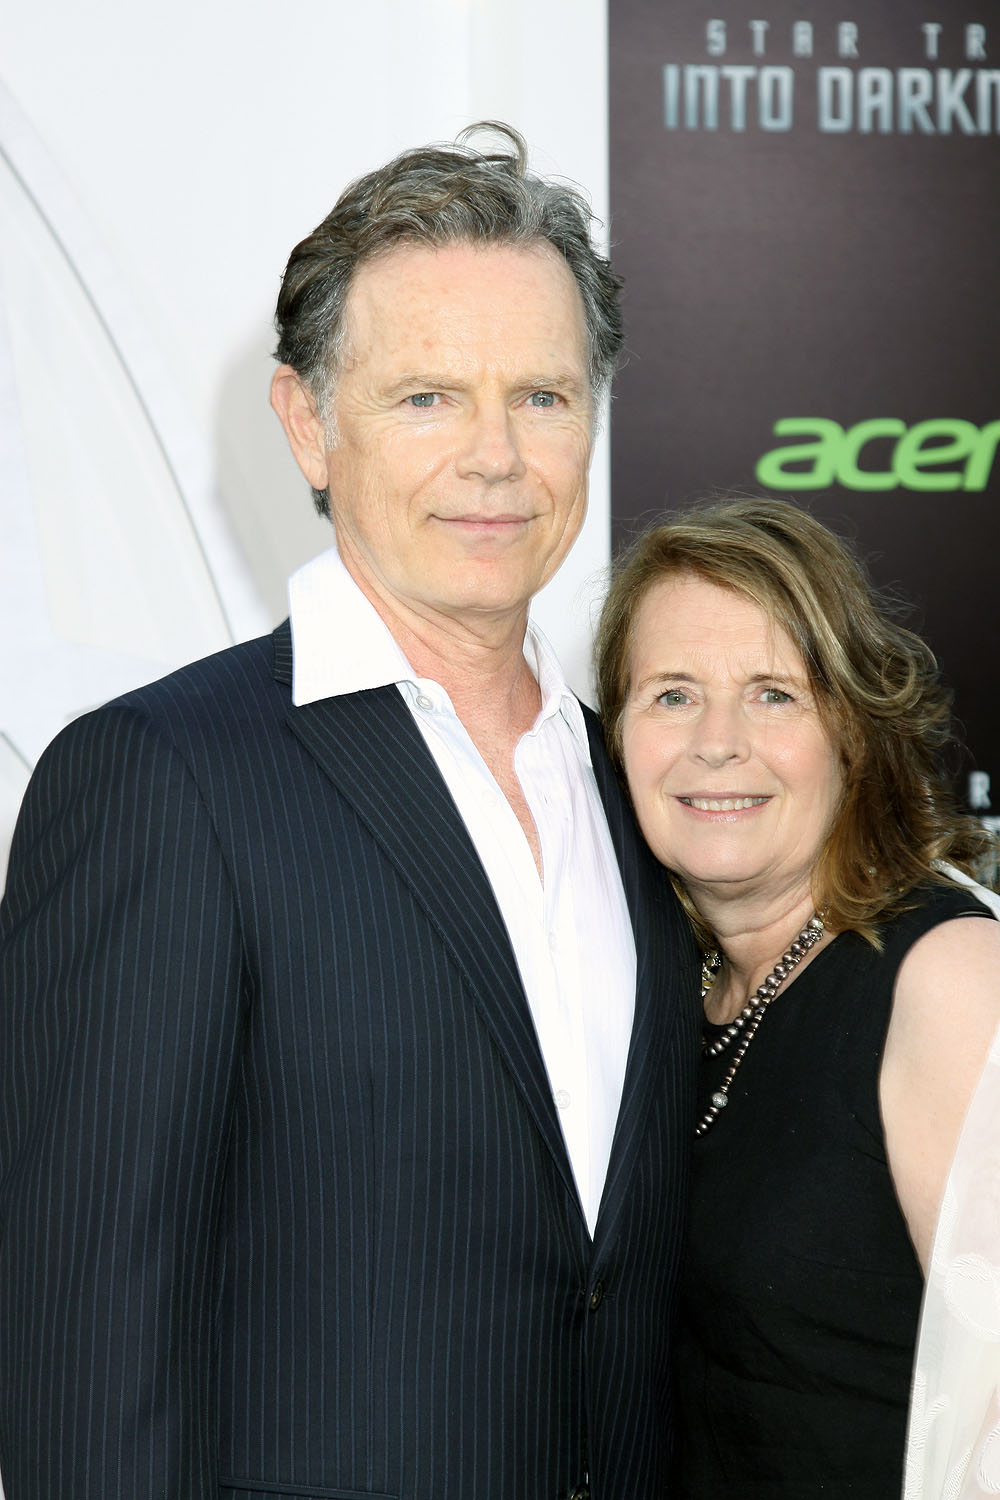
745,1024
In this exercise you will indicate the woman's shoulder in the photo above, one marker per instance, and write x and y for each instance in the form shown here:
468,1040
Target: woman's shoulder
949,957
935,904
945,1014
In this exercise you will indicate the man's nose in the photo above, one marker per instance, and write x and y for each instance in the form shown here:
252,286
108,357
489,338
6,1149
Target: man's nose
491,450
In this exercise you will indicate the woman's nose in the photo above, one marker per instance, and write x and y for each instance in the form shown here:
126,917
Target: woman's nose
721,734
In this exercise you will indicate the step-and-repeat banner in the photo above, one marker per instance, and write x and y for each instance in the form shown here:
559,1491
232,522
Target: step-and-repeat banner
806,208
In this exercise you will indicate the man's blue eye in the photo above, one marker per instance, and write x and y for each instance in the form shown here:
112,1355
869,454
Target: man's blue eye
542,398
422,399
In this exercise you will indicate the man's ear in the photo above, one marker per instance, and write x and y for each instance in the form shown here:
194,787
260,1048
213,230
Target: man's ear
296,409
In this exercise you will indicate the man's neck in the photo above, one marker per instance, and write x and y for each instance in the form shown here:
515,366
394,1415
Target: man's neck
477,657
491,687
479,660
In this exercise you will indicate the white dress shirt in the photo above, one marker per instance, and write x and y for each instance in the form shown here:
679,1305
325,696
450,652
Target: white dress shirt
571,934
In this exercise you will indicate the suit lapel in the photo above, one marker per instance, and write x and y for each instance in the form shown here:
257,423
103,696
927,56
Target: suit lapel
665,987
370,748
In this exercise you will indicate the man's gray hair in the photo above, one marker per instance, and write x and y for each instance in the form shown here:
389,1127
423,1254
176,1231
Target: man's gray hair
438,195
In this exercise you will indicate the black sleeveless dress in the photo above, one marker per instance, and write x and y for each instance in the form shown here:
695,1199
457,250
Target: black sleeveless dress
802,1290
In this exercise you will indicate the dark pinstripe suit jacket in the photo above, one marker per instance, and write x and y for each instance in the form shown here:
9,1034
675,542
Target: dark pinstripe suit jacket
285,1205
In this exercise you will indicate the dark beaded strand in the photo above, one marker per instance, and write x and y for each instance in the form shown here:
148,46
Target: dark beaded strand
752,1013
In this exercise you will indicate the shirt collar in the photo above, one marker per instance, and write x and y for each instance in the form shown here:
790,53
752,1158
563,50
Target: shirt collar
341,644
557,697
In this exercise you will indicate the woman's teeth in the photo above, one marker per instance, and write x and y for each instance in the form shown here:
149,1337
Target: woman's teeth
723,804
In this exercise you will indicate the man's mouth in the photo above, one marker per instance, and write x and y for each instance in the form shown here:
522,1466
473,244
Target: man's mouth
474,519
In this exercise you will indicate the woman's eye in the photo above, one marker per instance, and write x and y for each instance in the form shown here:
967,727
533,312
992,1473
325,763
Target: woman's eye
673,698
775,695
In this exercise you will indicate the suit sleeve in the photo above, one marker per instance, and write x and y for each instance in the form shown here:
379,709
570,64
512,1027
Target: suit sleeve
121,1011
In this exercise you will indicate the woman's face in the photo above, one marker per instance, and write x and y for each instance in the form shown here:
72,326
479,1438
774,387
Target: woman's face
734,777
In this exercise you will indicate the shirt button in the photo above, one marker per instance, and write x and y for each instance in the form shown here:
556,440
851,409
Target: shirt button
423,701
596,1296
562,1098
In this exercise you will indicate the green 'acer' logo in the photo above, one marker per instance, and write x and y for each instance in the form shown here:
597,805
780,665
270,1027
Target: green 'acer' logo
942,454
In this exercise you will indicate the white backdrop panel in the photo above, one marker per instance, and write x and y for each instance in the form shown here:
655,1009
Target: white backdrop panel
157,163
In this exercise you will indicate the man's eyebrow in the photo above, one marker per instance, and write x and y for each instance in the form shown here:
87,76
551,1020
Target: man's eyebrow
560,381
422,380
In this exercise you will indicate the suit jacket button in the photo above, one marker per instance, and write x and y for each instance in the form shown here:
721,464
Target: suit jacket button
596,1295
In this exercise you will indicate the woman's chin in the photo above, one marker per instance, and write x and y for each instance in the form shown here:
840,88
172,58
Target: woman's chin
726,879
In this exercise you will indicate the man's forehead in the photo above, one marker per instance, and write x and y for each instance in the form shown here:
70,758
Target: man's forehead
418,275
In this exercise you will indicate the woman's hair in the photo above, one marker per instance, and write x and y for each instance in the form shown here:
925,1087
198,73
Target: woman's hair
876,685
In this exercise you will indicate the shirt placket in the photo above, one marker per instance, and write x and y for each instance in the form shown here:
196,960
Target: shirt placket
543,777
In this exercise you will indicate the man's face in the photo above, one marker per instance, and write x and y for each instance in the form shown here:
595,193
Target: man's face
461,429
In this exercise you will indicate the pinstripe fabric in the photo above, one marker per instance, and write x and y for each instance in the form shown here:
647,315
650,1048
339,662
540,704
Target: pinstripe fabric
284,1202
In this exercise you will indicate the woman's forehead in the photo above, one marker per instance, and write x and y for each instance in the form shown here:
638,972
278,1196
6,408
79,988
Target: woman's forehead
685,612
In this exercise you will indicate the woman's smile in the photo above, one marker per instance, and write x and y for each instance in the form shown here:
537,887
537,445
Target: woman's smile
737,803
